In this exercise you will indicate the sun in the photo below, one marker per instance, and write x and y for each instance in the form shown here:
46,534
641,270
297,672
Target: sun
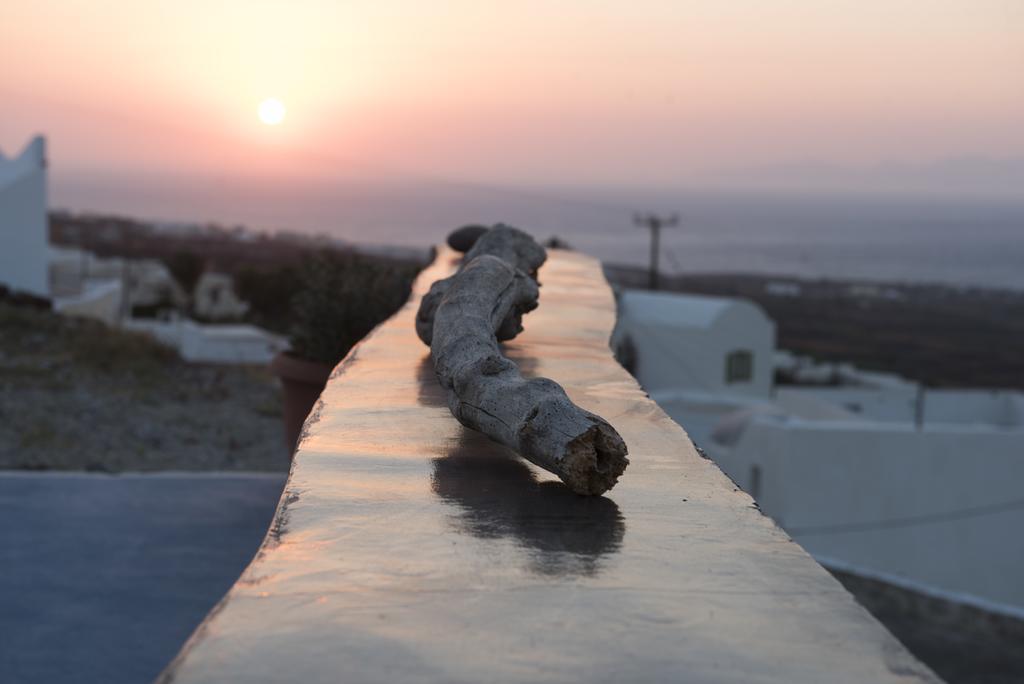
271,111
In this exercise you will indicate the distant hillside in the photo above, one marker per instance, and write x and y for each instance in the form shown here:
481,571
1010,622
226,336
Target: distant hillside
939,335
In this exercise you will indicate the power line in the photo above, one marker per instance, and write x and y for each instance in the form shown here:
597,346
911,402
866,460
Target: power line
655,223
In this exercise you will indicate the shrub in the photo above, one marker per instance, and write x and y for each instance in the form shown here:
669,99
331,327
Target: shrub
341,298
269,294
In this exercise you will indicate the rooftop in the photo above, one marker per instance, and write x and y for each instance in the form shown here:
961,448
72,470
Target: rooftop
675,310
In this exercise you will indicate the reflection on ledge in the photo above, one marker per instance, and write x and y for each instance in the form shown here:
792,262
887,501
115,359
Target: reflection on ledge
498,496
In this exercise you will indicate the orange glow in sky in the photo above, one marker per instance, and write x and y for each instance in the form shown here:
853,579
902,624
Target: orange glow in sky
649,91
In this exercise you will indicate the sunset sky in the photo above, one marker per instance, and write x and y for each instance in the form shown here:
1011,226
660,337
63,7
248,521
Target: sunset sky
646,91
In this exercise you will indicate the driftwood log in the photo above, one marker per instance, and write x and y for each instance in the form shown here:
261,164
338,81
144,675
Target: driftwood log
512,246
463,317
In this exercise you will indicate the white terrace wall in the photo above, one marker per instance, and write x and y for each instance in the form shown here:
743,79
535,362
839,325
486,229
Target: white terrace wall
888,404
943,506
994,408
23,224
999,408
214,343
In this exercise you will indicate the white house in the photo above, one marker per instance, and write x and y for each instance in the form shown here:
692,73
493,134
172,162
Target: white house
24,256
712,345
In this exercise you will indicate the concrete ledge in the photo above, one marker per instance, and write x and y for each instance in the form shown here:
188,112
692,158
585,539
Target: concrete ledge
408,549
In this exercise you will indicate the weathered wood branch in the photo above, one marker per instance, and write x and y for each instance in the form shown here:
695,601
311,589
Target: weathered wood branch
469,313
508,244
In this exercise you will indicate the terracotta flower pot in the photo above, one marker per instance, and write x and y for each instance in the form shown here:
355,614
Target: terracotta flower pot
302,382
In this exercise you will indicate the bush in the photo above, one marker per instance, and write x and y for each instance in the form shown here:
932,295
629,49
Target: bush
342,297
269,294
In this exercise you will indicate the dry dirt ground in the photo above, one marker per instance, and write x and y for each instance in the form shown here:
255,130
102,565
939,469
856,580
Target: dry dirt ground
77,395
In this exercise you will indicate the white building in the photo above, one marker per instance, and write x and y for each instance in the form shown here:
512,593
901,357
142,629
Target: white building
215,298
870,472
24,256
699,357
79,283
712,345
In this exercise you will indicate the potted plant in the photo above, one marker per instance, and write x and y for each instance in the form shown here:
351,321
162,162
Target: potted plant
341,297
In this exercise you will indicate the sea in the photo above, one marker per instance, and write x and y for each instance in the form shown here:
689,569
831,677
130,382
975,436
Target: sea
942,239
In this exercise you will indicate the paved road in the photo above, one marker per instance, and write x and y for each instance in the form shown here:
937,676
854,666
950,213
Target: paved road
102,578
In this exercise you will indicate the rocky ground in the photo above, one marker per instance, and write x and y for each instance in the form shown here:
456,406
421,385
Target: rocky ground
76,395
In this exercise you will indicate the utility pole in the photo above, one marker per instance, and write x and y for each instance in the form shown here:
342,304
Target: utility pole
655,223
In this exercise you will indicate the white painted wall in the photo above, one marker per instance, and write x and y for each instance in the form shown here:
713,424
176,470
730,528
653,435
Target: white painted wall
897,404
215,297
943,507
99,300
994,407
890,404
682,341
229,344
24,257
201,343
